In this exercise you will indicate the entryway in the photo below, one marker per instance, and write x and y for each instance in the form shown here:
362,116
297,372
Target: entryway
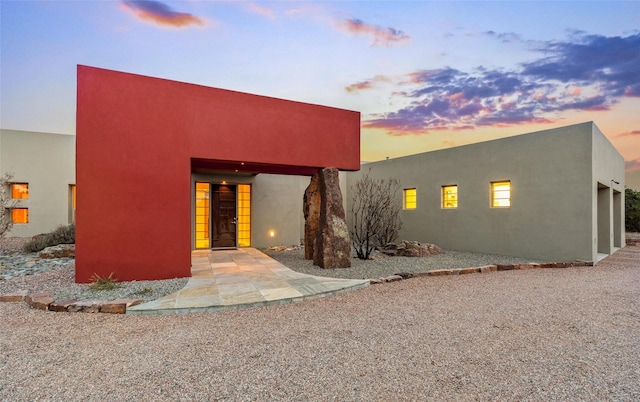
222,215
241,278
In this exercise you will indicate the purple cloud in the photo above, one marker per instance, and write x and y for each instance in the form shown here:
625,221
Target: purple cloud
159,13
591,74
381,36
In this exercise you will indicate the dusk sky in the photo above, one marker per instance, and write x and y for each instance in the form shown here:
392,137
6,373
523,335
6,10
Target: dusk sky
424,74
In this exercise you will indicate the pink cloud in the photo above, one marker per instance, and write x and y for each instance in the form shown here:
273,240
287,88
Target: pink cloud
359,86
159,13
381,36
633,133
632,165
258,9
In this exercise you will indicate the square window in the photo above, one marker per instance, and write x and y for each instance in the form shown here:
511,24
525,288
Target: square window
450,196
20,215
20,191
409,198
501,194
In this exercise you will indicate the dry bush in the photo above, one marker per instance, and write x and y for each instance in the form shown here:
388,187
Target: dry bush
375,214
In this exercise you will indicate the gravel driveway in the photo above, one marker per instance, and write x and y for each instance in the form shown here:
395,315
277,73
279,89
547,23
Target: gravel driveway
544,334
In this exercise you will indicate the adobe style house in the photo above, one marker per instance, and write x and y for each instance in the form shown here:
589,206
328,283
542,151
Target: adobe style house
550,195
163,168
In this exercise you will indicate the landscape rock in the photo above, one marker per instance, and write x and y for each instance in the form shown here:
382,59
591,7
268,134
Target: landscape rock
393,278
311,210
13,297
62,305
439,272
86,306
40,302
333,244
407,248
59,251
488,268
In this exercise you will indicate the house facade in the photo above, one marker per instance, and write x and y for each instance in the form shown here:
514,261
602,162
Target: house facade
43,177
549,195
164,168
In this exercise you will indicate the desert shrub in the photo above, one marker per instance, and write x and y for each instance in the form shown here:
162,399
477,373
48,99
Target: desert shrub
62,235
101,283
632,210
375,214
6,203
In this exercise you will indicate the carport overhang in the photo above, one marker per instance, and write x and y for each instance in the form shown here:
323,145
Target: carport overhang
138,140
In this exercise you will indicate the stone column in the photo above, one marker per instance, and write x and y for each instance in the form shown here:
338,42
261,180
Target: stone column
311,210
333,246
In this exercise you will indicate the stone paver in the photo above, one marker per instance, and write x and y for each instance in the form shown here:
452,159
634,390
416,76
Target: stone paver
231,279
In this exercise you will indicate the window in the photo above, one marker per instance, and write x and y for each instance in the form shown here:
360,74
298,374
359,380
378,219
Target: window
450,196
501,194
244,215
72,203
409,198
202,215
20,215
20,191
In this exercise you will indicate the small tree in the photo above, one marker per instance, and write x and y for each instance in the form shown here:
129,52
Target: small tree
375,214
632,210
6,203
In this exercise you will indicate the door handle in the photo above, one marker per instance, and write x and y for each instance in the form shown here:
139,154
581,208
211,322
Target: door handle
235,221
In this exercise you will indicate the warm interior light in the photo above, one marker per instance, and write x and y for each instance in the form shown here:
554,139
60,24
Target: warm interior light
501,194
272,233
20,190
450,196
410,198
224,182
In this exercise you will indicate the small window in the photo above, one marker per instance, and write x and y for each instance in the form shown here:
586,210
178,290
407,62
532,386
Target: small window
450,196
501,194
20,215
72,203
410,198
20,191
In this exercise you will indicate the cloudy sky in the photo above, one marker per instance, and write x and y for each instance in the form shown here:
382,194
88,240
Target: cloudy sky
424,74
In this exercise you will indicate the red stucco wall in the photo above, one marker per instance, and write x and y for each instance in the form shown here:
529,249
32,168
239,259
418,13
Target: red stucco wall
136,137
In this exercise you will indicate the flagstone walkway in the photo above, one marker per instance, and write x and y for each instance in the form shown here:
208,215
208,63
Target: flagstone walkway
232,279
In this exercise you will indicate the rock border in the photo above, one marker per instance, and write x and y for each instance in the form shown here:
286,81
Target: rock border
476,270
44,301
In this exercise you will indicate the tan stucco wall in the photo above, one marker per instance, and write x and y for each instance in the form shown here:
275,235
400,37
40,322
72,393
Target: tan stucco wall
550,217
607,195
47,162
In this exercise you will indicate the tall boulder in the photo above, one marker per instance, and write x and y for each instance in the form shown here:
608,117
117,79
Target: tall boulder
311,210
333,246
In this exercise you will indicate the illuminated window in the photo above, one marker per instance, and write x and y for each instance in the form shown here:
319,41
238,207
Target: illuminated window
501,194
20,215
409,198
72,203
202,216
450,196
20,191
244,215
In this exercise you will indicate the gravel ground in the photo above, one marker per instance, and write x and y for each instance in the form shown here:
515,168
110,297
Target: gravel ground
60,282
544,334
383,266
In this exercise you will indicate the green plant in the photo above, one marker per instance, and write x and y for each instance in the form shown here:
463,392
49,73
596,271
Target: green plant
632,210
144,291
61,235
104,283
